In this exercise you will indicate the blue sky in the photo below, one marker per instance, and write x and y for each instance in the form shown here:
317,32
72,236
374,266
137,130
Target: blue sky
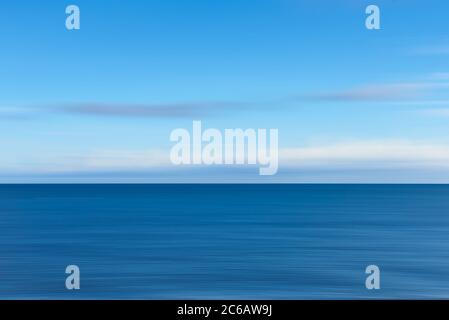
99,103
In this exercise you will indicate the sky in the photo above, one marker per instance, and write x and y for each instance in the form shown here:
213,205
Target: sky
98,104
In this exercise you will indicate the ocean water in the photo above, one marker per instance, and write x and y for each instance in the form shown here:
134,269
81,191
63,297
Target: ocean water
224,241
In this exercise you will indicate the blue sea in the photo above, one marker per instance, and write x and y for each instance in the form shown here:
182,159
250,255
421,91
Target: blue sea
227,241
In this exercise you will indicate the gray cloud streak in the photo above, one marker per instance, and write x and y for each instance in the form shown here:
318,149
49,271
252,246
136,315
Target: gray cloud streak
380,93
390,93
180,110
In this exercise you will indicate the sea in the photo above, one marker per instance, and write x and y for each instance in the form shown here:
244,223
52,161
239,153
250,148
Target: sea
224,241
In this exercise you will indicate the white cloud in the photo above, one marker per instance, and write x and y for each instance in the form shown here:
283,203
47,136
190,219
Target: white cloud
369,154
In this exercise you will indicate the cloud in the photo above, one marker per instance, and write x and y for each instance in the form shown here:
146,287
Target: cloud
405,93
387,92
167,110
402,93
369,161
364,161
175,110
369,154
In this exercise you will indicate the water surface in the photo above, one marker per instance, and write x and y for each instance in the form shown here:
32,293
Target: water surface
224,241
